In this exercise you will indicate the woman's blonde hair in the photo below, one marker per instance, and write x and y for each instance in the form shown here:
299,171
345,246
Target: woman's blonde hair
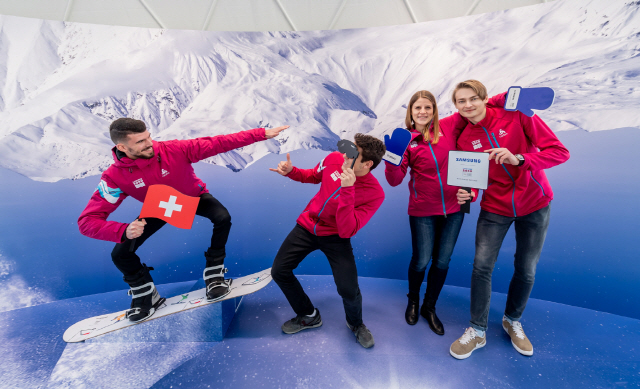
436,121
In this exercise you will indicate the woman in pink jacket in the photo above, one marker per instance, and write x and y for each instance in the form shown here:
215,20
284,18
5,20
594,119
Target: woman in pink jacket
434,213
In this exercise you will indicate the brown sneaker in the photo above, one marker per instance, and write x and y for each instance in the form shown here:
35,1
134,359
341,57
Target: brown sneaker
518,339
464,346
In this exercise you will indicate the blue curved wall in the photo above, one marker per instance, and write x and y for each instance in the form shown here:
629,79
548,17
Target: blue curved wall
305,79
589,259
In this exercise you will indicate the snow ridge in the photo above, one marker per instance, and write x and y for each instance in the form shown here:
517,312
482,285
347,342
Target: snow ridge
61,84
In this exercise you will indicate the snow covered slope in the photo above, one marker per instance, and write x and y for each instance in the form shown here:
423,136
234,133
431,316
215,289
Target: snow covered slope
61,84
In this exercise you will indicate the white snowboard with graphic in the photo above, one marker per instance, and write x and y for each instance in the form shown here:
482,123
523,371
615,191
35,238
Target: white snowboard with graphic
100,325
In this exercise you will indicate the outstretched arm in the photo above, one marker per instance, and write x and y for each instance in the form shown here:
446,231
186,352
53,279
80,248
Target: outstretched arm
205,147
310,176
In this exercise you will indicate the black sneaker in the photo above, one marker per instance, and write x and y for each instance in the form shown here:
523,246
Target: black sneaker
363,335
303,322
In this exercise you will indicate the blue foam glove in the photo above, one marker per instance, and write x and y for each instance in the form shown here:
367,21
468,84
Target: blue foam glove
396,145
526,99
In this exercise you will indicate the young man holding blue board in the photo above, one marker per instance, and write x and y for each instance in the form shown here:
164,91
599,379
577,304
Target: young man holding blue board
349,196
518,192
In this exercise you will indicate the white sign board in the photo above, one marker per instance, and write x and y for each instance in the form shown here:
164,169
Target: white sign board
468,169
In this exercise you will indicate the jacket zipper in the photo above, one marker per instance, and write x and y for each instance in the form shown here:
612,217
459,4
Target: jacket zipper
534,180
444,208
513,191
415,194
322,209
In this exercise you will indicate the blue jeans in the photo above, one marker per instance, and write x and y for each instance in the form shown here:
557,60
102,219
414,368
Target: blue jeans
531,231
432,237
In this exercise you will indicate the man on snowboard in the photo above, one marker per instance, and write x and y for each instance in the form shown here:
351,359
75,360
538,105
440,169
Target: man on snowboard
140,162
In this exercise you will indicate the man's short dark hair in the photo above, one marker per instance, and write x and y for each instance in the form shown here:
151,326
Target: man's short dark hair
372,148
121,128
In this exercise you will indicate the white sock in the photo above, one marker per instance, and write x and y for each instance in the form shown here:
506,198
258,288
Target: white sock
313,314
507,319
479,333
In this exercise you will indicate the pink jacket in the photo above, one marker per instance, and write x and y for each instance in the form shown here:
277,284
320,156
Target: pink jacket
515,190
170,165
336,210
429,193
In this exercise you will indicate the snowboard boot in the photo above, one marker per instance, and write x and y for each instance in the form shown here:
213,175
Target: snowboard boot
435,282
145,299
217,286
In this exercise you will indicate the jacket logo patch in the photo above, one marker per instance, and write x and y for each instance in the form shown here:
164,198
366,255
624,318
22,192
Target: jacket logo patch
502,133
164,173
476,144
414,144
335,175
138,183
110,194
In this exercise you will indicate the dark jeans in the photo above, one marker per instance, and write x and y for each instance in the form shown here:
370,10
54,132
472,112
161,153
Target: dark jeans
129,262
531,231
431,237
300,243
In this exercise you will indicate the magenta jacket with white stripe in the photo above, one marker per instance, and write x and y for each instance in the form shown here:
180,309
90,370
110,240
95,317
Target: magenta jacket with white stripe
170,165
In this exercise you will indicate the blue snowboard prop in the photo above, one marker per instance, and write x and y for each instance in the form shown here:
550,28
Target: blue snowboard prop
396,144
526,99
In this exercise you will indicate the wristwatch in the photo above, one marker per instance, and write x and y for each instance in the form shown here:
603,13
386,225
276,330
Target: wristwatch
520,159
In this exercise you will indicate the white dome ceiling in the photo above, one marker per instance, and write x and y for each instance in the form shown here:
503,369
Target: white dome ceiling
254,15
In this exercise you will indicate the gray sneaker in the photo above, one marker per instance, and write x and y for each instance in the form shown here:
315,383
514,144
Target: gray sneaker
303,322
363,335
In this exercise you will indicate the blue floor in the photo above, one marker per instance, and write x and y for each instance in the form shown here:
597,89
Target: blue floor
573,347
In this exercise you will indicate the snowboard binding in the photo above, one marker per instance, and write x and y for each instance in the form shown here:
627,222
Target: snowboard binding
217,285
145,299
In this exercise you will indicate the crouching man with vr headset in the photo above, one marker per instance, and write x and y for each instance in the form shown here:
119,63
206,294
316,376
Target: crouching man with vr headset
349,196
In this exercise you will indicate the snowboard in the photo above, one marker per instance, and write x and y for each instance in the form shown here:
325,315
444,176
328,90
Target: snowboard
100,325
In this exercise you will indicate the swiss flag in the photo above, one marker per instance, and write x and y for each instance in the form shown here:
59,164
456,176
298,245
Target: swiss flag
164,202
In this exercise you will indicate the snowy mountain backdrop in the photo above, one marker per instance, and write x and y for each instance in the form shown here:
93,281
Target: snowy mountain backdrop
61,84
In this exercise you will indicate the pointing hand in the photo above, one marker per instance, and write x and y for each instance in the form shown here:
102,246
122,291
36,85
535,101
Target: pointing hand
284,167
272,133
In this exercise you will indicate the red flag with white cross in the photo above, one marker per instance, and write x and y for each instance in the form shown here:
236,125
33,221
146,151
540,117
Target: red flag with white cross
164,202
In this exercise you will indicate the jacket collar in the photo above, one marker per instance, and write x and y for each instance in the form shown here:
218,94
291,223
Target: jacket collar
488,119
416,134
